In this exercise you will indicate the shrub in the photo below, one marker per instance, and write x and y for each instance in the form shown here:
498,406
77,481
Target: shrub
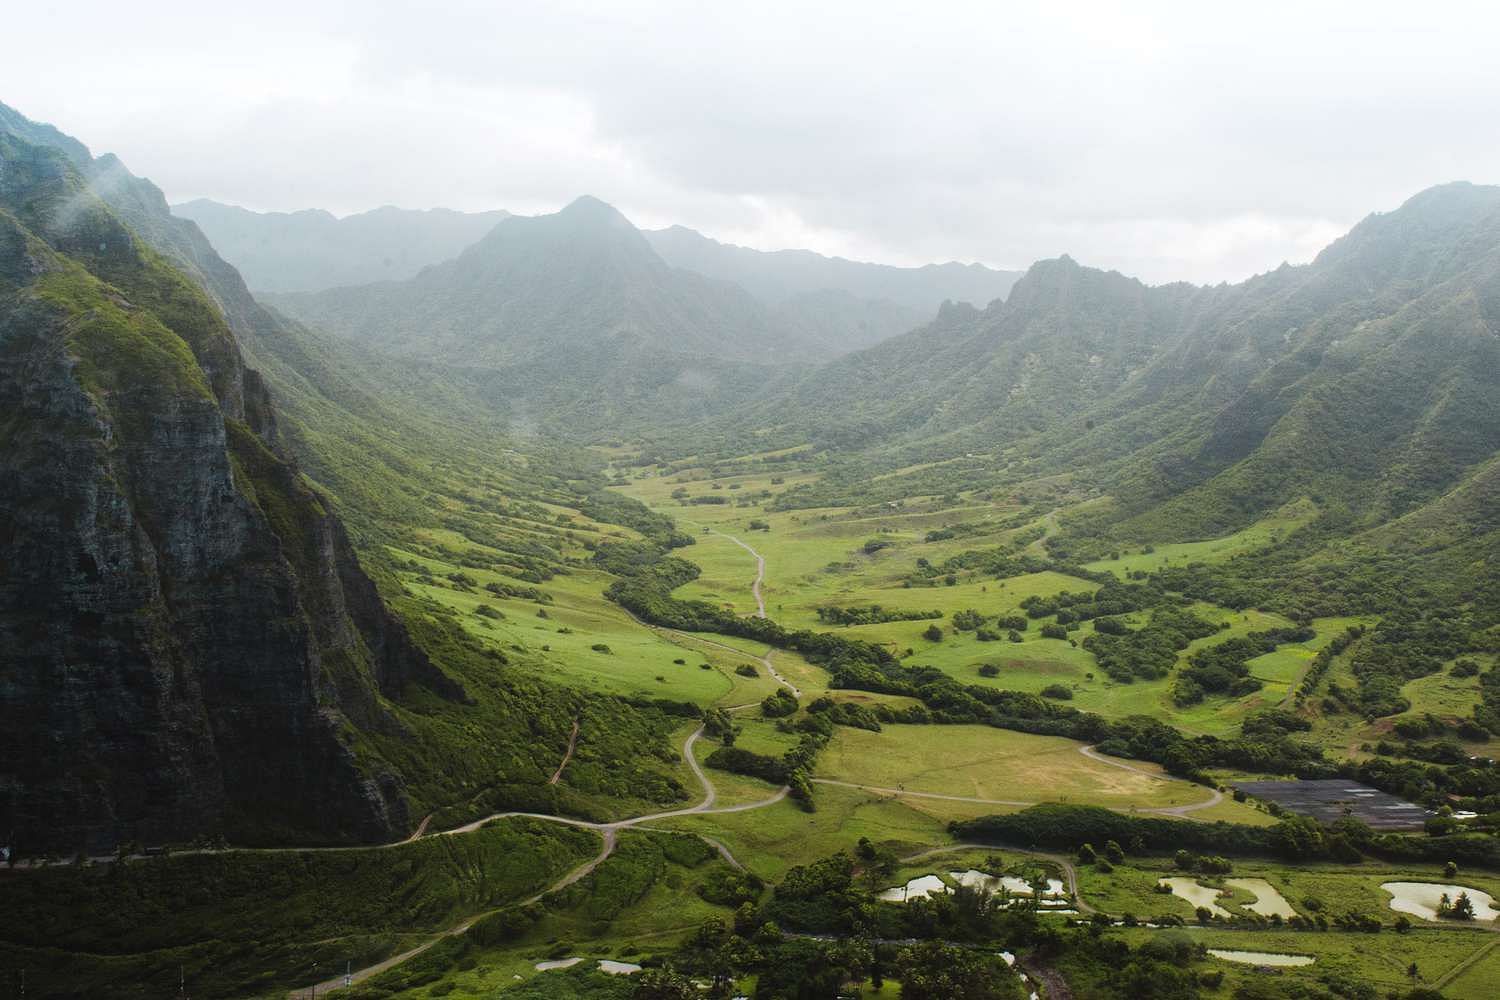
1061,692
778,703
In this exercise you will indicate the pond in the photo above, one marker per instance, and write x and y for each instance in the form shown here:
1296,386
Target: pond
557,963
1011,884
1266,958
918,888
1268,902
1197,895
1421,899
605,965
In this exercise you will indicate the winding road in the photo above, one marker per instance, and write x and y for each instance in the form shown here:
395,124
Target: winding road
609,835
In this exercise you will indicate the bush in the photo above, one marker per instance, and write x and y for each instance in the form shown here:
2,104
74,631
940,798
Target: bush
1061,692
778,703
989,670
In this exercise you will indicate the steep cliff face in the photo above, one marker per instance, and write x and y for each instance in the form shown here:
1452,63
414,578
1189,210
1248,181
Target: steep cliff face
187,643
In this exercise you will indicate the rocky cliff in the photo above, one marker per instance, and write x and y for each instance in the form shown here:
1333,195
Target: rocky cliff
188,645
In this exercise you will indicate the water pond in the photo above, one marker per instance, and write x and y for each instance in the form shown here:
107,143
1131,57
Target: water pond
1421,899
1268,902
1197,895
1265,958
918,888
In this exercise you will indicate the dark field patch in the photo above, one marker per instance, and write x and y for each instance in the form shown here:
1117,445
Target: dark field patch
1327,801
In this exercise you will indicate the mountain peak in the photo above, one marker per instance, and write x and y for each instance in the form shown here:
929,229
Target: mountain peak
587,207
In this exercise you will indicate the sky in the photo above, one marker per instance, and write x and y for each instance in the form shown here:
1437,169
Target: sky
1171,141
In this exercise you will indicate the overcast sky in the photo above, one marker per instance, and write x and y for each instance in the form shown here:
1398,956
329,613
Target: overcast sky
1170,141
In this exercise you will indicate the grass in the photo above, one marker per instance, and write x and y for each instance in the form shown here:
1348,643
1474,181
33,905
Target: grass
771,840
1258,535
246,922
1381,960
983,762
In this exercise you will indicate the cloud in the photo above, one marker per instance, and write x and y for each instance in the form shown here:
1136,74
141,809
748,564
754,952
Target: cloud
1170,141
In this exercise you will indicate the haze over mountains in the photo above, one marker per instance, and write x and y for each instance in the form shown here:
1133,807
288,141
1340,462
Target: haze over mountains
310,250
824,306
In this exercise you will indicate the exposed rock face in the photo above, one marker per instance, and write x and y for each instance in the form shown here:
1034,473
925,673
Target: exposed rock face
188,645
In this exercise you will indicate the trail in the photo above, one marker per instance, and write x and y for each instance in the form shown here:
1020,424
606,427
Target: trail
760,607
609,835
557,775
420,830
1214,798
760,572
903,793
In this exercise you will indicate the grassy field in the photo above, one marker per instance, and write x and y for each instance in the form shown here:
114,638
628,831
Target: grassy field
988,763
1381,960
1280,524
771,840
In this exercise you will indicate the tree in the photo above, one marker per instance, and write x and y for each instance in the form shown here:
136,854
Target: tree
1463,907
935,971
664,984
933,634
1450,869
1086,854
1114,852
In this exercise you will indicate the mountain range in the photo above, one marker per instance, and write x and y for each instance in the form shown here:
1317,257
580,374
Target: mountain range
313,249
819,306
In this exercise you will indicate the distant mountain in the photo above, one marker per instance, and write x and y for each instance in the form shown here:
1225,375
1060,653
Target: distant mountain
779,276
312,250
571,320
191,646
1367,381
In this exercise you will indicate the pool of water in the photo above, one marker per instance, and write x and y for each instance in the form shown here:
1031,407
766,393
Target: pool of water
1268,958
557,963
618,968
918,888
1197,895
1421,899
1268,902
1010,883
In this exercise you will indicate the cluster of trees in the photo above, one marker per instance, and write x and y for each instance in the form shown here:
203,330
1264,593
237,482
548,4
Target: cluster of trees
1151,651
1224,668
1320,664
871,614
1404,647
1295,838
1114,597
999,563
